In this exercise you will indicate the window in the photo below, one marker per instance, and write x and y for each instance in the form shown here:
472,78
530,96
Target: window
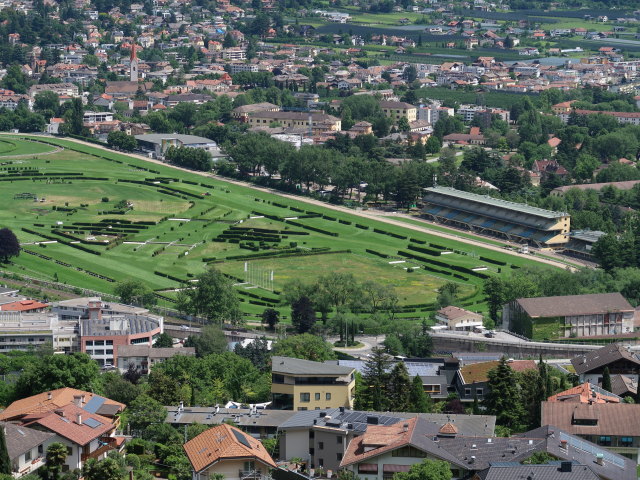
305,397
99,342
88,343
40,449
408,452
626,441
320,445
339,440
312,434
605,441
327,396
321,462
467,391
317,396
301,409
69,451
109,342
479,391
249,466
27,456
339,456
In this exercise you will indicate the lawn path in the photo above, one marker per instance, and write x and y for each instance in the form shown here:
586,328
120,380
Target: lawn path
359,213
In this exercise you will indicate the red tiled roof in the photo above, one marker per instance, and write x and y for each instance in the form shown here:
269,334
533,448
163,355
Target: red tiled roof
22,306
65,422
583,394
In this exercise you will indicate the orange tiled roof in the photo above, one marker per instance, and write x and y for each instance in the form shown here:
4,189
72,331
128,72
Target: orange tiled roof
584,394
22,306
224,442
41,403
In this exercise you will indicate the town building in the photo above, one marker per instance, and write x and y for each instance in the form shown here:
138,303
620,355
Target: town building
144,357
619,359
566,470
585,393
472,380
61,89
305,385
228,451
324,436
456,318
569,316
25,331
491,216
157,144
398,110
614,426
313,121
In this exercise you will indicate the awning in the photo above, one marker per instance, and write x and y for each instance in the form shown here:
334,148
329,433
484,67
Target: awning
386,468
368,468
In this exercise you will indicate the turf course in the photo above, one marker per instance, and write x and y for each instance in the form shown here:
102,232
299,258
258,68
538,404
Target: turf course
106,217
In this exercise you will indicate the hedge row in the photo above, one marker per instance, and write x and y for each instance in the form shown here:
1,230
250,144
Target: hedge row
491,260
379,254
313,229
415,240
169,276
344,222
428,251
391,234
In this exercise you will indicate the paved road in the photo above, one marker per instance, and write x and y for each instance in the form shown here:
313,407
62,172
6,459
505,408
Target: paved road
359,213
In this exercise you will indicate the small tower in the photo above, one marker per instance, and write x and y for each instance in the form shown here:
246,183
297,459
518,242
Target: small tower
133,72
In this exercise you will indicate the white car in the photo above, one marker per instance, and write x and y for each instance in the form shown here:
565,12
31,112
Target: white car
184,327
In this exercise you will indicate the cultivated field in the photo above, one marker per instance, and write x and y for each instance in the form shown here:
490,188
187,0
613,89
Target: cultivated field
90,218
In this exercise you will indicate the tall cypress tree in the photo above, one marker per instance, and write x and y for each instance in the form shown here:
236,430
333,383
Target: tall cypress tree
419,401
399,387
606,379
5,461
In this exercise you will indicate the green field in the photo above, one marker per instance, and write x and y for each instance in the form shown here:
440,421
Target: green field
170,225
13,147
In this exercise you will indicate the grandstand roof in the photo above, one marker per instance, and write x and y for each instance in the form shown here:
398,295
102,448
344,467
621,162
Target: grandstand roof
496,202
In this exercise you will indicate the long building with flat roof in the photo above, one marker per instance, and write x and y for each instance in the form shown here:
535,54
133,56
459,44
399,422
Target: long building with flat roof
493,216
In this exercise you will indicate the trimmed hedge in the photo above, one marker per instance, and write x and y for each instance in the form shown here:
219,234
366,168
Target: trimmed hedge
491,260
428,251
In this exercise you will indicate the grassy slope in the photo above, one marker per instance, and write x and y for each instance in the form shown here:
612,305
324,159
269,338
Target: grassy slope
227,202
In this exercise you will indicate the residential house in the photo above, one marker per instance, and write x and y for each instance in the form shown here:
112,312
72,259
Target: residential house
566,470
545,168
305,385
472,381
144,357
619,359
228,451
456,318
243,112
26,448
474,137
585,393
570,315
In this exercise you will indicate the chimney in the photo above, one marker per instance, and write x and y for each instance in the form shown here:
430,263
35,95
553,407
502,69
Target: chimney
49,396
405,427
565,467
564,445
77,400
79,419
600,458
473,459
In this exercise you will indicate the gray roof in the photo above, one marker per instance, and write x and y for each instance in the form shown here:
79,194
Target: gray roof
296,366
423,369
616,467
508,471
242,417
357,421
134,324
495,202
570,305
590,236
22,439
603,357
151,352
184,139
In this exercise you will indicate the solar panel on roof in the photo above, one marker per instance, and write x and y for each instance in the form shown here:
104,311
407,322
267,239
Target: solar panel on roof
241,438
92,422
94,404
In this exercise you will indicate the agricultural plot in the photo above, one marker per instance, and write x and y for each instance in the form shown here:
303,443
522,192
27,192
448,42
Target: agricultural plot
90,218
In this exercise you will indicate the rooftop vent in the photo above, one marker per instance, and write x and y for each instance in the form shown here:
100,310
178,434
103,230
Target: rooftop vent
372,420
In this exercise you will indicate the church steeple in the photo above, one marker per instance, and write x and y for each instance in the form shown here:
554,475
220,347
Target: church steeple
133,72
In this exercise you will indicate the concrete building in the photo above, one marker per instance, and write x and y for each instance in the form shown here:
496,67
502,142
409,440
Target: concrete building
25,331
317,122
305,385
569,316
61,89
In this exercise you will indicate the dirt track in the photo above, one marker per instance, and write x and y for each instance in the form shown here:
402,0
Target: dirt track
359,213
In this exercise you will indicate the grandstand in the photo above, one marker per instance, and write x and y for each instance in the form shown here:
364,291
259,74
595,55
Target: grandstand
492,216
